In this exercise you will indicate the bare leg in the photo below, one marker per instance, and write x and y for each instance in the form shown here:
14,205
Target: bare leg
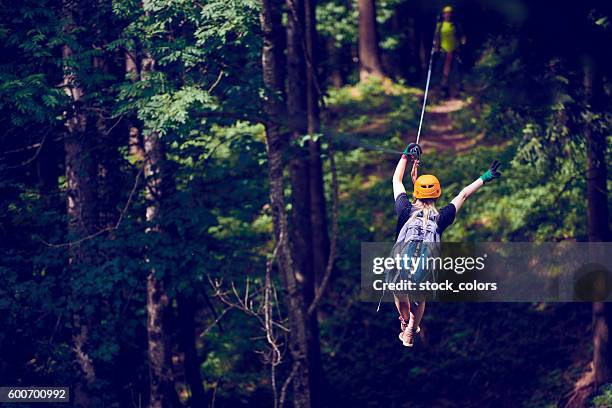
415,319
448,61
403,307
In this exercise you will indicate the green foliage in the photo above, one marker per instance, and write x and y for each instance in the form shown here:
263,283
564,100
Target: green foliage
516,207
205,77
603,398
375,110
202,94
339,20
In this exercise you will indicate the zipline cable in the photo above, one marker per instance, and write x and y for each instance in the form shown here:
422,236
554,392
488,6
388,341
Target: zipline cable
431,55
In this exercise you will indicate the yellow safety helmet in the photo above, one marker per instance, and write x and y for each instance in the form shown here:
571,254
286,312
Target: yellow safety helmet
427,186
447,9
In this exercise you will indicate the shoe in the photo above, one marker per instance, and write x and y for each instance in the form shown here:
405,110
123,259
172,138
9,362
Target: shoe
403,325
407,337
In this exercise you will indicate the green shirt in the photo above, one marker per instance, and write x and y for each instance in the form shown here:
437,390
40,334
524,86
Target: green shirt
448,36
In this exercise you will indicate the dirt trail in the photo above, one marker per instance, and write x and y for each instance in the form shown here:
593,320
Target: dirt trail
438,130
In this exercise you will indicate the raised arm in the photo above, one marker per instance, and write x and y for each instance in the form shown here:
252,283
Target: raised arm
466,192
490,174
412,150
398,175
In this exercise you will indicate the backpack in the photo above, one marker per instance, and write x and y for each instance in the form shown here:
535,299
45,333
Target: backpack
415,242
413,228
418,239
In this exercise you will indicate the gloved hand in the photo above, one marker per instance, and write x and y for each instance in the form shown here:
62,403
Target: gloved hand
492,172
413,150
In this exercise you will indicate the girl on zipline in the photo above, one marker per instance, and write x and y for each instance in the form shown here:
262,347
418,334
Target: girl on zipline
420,222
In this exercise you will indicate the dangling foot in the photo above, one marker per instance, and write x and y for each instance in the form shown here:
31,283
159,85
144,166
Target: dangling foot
407,337
403,325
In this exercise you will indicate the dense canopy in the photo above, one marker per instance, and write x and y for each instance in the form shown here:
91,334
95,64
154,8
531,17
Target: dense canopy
185,185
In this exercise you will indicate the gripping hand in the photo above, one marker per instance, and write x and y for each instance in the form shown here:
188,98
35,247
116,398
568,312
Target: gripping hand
492,173
413,150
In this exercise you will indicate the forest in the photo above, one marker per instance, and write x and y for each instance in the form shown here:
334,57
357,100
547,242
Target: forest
185,186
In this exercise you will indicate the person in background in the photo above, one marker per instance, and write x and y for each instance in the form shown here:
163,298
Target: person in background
448,38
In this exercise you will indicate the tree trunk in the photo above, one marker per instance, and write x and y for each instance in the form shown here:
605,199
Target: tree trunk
273,80
186,311
135,142
80,171
162,392
309,225
79,167
318,217
369,53
298,121
296,72
597,172
597,214
81,210
600,371
334,60
320,236
602,349
407,59
158,302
